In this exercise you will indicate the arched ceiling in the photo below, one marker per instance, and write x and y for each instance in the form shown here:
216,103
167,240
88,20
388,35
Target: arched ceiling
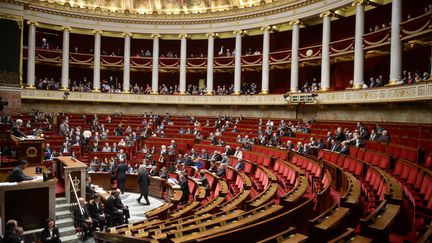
164,6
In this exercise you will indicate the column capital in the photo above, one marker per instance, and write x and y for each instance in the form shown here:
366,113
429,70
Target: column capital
269,28
31,22
68,28
127,34
156,36
183,35
295,22
360,2
240,32
326,14
212,34
97,31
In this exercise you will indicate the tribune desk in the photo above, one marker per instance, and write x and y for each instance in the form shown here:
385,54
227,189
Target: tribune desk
30,149
77,170
29,202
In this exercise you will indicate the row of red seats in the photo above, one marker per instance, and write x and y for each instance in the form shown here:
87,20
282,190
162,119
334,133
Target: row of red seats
374,187
272,152
395,150
371,157
258,158
286,175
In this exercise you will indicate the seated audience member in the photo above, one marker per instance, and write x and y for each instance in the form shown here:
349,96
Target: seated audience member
183,181
116,208
299,148
82,217
385,137
89,190
240,165
12,234
121,156
374,136
15,130
50,234
238,153
164,173
48,151
97,212
154,171
18,175
213,166
345,148
106,148
334,147
203,180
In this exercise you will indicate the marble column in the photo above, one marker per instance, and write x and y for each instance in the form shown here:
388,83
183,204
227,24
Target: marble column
126,62
31,55
155,64
294,55
97,61
358,45
237,68
325,50
183,54
210,62
265,60
396,43
65,59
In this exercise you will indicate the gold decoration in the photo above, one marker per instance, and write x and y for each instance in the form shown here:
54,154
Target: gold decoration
156,36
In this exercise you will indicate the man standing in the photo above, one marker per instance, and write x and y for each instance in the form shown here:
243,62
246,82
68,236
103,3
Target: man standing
18,174
121,176
143,182
16,129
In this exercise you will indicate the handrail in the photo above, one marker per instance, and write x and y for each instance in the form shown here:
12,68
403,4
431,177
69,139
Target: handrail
76,195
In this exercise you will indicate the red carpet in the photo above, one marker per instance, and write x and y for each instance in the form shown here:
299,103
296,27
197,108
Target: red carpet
59,189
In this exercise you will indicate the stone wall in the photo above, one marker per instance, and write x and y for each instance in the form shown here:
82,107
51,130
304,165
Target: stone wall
13,96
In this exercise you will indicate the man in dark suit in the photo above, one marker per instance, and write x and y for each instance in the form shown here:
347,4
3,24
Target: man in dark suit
97,214
16,129
345,148
18,174
204,182
240,165
334,147
82,217
185,189
11,235
50,234
221,170
122,168
90,192
143,182
112,210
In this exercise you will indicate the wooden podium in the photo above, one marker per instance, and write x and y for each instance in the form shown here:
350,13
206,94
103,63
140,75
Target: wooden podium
74,168
30,149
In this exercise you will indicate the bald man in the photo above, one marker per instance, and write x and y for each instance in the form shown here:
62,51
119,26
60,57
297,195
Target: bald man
15,130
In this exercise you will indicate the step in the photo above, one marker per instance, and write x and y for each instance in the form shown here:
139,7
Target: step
60,200
62,207
70,230
63,214
70,238
66,222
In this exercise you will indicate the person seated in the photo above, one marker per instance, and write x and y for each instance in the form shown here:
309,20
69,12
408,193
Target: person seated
213,166
12,232
50,234
116,209
83,219
164,173
97,212
345,148
334,147
18,175
221,170
15,130
154,171
204,182
240,165
121,156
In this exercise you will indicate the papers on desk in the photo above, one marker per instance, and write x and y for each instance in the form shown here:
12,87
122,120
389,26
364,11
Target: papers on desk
38,178
173,181
30,137
8,183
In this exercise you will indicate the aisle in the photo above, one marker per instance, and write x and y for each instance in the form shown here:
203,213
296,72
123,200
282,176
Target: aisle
137,210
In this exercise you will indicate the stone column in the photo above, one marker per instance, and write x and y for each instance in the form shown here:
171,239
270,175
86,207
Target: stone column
265,60
155,64
65,59
294,55
210,62
97,61
396,43
183,54
325,50
237,68
126,62
31,55
358,45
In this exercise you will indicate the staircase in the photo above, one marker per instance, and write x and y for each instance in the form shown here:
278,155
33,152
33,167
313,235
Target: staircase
64,221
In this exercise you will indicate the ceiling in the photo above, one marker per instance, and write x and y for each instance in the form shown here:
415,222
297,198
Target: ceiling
163,6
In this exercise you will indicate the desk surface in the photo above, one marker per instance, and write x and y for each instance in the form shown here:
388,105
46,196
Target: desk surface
333,218
385,219
70,162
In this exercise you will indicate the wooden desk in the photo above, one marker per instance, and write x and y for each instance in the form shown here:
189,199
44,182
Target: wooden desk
31,149
29,202
295,238
102,179
156,187
333,219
